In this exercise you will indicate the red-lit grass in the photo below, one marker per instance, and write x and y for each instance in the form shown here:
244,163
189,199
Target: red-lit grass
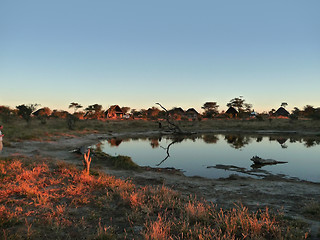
40,199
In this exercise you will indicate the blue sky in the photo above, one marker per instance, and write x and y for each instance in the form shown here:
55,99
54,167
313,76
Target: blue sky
179,53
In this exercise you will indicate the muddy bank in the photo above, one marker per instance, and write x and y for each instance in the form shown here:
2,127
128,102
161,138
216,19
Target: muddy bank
289,196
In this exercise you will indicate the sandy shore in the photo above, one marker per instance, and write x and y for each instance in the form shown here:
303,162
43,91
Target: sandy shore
288,196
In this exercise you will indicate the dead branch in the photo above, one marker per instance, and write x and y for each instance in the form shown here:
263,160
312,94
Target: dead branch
261,162
172,126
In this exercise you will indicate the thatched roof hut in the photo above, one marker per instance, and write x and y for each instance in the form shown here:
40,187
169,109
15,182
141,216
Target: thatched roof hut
232,112
192,113
177,110
42,112
281,112
114,112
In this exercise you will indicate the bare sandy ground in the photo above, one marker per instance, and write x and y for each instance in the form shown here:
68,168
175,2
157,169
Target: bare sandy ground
288,196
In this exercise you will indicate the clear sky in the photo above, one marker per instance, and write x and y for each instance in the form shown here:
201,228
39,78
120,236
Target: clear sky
177,52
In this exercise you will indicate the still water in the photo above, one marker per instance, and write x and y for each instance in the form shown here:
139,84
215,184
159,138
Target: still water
216,156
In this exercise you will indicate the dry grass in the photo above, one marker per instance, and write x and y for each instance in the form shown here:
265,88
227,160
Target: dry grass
40,199
18,129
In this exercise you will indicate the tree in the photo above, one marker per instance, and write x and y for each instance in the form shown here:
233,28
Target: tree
25,111
134,113
237,103
94,111
247,107
210,109
152,113
125,109
75,105
296,112
5,113
272,111
308,111
284,104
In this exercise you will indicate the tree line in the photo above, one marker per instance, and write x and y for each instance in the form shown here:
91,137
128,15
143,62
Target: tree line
96,111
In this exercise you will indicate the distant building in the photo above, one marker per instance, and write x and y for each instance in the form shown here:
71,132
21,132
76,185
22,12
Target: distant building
114,112
177,113
232,112
281,112
191,113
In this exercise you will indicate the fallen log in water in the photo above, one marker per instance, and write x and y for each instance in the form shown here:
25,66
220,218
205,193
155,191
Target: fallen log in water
259,161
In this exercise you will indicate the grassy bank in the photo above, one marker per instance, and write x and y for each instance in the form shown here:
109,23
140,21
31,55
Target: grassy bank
18,129
42,199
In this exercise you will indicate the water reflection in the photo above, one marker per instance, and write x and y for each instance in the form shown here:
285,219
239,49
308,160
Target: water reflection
210,138
114,142
218,155
154,142
254,172
236,141
167,148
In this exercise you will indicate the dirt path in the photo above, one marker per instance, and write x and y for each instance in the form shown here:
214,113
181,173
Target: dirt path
289,196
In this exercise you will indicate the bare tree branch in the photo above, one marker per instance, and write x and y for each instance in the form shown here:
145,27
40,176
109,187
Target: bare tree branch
172,126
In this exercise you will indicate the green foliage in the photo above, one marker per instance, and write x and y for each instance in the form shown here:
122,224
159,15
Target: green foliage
152,113
25,111
210,109
5,113
75,106
94,111
118,162
237,103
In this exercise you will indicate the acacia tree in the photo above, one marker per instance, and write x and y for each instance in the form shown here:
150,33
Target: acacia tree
75,105
240,104
94,111
25,111
284,104
210,109
237,103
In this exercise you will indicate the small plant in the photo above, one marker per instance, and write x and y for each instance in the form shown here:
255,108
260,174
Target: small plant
86,162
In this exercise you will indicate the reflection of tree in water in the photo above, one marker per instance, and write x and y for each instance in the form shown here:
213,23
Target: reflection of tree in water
114,142
154,142
237,141
210,138
310,142
174,140
293,140
259,139
98,147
